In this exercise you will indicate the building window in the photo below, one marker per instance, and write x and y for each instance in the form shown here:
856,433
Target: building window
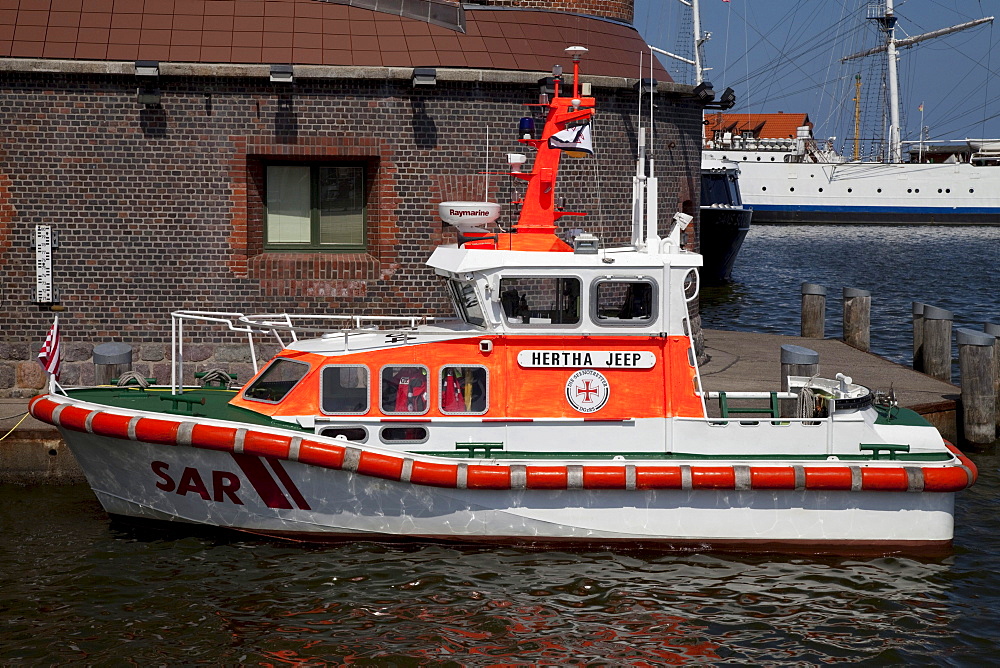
315,207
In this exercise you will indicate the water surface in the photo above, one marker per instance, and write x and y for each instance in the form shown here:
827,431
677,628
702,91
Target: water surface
77,589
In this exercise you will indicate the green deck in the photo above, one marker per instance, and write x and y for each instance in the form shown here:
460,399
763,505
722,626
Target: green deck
156,400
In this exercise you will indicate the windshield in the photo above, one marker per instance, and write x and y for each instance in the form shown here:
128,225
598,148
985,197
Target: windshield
277,381
463,295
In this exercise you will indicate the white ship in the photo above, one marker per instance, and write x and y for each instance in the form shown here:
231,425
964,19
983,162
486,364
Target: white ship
798,180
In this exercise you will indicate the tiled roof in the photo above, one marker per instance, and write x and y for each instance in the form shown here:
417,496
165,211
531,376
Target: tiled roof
763,126
309,32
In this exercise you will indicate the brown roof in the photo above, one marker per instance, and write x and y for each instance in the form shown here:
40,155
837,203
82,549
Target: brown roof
763,126
309,32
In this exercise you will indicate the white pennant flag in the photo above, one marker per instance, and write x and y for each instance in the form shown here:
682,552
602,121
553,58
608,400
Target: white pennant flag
575,141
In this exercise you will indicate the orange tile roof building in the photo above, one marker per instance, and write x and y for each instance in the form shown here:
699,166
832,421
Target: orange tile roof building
758,126
168,143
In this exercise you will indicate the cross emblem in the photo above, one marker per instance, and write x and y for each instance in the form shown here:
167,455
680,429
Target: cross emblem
586,391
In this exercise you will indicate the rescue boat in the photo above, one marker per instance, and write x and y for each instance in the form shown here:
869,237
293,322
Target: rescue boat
562,404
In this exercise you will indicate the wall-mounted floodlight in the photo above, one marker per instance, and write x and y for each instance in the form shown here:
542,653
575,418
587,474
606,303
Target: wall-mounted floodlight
645,86
424,76
282,74
726,101
547,85
147,68
148,96
704,92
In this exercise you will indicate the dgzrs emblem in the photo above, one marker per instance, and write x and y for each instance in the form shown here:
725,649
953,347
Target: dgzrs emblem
587,390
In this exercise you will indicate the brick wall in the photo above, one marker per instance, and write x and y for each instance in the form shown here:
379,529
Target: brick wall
160,209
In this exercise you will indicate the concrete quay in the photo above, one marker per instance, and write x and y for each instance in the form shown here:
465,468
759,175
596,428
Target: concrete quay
738,362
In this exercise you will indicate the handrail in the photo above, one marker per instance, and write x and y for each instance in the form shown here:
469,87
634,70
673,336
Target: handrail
275,323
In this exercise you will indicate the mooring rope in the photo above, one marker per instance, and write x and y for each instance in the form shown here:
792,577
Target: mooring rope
23,418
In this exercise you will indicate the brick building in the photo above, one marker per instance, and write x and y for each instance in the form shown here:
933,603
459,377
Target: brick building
277,155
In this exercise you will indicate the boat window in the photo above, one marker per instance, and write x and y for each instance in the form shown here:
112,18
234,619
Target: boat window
405,389
464,389
344,389
623,302
403,434
277,381
357,434
530,300
463,295
715,189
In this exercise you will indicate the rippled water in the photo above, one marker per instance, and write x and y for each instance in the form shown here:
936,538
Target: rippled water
955,268
76,589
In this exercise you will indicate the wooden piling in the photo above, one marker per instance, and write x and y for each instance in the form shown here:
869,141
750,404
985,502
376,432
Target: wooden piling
975,363
994,330
796,361
918,336
937,342
857,318
813,311
111,360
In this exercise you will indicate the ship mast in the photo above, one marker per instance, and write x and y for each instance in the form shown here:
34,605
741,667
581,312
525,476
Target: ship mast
857,116
884,15
699,43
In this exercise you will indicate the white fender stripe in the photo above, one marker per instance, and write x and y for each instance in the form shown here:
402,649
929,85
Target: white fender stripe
293,449
352,457
131,428
574,476
914,479
742,473
184,433
238,440
686,482
856,483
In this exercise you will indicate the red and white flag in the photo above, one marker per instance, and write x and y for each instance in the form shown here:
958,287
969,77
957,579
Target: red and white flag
50,356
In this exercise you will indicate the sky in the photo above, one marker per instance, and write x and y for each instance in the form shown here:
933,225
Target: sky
784,55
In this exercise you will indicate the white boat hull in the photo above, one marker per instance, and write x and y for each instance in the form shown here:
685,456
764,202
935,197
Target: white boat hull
286,498
852,192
